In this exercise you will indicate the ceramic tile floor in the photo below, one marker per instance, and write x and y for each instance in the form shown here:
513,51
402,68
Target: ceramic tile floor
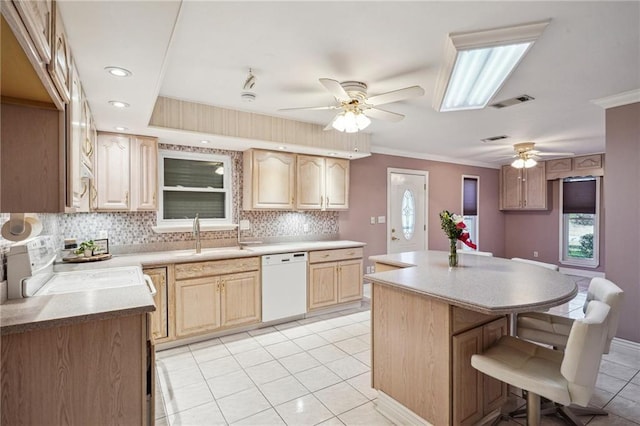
316,371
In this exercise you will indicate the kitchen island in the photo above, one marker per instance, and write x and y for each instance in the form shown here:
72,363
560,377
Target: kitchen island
428,320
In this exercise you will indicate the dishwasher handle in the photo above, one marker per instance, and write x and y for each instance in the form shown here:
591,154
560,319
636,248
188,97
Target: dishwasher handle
149,281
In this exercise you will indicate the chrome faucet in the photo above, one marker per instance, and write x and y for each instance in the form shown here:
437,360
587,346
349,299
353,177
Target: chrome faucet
196,233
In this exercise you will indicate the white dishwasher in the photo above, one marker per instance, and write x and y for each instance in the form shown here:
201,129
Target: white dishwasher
284,285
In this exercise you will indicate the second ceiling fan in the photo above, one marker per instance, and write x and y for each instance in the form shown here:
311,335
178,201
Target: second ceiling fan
355,107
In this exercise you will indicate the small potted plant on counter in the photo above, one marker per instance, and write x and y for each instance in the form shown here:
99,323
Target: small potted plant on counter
86,248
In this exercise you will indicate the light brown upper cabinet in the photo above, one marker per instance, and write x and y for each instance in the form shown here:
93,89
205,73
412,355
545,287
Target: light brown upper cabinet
144,173
60,65
523,189
586,165
322,183
269,180
38,19
79,164
125,173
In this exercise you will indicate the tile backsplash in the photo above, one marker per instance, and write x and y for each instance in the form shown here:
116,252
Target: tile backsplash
132,231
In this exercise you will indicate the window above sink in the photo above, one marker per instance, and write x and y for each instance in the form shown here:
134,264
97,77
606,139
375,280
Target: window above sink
194,183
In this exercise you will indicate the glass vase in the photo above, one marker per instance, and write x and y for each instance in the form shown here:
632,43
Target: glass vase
453,254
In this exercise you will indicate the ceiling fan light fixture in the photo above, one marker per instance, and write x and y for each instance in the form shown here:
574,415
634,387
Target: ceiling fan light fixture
362,121
350,121
339,123
518,163
524,161
479,63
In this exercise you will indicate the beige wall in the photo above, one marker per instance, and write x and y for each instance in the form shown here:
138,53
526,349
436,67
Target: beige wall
368,197
622,212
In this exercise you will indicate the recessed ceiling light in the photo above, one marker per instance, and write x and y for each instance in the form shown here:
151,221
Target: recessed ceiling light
121,128
204,141
119,104
118,72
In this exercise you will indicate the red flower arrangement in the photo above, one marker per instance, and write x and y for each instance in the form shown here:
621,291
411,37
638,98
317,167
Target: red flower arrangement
454,227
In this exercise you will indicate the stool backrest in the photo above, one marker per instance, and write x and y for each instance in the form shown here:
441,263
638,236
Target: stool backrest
477,253
584,351
606,291
535,262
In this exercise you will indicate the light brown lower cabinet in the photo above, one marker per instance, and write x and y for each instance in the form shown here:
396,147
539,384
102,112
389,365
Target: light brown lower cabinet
336,281
475,394
90,373
160,317
209,303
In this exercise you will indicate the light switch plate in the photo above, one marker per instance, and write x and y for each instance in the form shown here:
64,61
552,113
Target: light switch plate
245,225
373,220
382,219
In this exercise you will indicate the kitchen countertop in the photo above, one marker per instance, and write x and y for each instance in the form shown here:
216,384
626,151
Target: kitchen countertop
55,310
36,312
490,285
217,253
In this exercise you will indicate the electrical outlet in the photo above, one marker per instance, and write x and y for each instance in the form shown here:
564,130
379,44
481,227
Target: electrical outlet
305,227
103,234
373,269
368,269
535,254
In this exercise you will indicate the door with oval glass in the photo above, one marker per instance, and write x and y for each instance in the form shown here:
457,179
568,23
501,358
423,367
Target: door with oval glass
406,210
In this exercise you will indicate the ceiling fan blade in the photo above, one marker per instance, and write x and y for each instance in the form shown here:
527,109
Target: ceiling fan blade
335,89
381,114
396,95
309,108
554,154
330,125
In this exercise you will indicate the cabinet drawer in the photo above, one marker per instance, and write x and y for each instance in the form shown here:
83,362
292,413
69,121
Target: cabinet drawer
464,319
333,255
216,267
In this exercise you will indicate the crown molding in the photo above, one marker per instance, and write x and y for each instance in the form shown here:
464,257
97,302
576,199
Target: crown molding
624,98
422,156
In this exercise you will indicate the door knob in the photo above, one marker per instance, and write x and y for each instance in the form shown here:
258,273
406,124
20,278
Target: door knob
393,238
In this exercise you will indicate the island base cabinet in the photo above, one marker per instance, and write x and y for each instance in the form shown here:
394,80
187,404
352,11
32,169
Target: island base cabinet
475,394
421,354
83,374
467,381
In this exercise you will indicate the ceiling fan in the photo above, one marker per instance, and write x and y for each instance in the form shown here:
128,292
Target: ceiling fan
526,155
355,107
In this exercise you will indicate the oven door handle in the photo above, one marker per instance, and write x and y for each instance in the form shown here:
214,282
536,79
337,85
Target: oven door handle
152,288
